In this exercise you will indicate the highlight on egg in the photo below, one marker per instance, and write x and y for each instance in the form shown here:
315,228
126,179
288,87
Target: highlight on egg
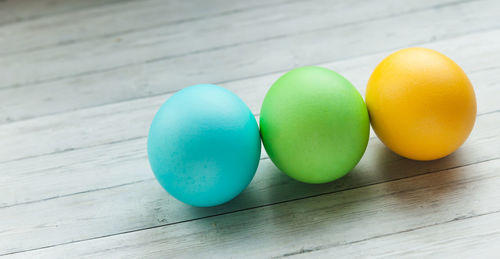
314,125
421,104
204,145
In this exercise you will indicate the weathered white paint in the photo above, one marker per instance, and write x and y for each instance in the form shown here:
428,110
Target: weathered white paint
16,11
105,124
326,221
111,72
74,178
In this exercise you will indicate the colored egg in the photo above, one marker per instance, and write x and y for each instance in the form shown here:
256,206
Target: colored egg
421,104
204,145
314,125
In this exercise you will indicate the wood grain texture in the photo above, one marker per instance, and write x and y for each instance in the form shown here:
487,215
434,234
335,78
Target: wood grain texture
471,236
118,71
15,11
141,203
334,220
81,82
82,25
484,79
62,132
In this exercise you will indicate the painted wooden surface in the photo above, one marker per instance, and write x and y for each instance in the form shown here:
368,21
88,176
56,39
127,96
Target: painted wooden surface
81,81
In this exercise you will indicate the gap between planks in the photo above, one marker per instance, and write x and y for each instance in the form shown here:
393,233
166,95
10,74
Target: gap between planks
316,61
115,16
263,157
269,186
450,178
34,10
144,108
326,250
20,110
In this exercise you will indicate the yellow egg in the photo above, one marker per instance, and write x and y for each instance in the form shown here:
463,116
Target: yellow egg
421,104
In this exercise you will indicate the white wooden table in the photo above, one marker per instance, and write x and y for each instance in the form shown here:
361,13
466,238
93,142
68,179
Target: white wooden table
81,80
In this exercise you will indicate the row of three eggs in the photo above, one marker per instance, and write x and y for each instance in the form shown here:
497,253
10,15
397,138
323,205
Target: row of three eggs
204,143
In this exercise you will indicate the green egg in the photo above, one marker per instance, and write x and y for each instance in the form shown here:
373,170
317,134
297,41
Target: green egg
314,125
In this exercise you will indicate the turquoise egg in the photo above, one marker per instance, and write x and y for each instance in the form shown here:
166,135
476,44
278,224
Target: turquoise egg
204,145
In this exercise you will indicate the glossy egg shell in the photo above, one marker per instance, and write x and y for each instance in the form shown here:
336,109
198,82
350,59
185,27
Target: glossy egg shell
314,125
421,104
204,145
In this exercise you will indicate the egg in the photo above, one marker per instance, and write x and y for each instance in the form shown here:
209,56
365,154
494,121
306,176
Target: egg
204,145
314,125
421,104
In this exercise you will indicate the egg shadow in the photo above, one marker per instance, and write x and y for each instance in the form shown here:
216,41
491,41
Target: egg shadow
422,174
275,203
283,208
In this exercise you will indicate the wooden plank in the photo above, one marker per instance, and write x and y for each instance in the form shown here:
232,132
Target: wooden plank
14,11
112,20
336,219
98,211
169,72
197,17
106,124
61,168
469,237
93,195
